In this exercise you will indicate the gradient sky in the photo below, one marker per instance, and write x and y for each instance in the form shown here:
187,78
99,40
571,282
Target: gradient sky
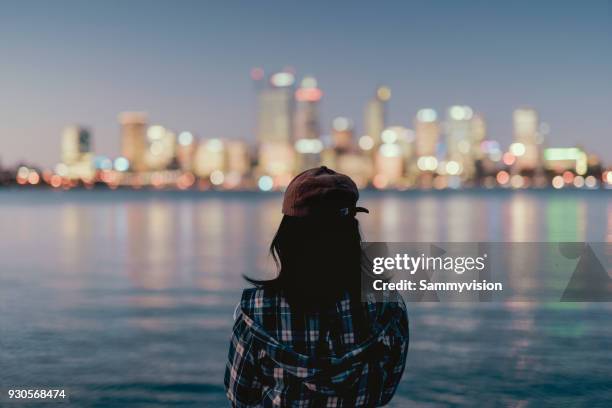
187,64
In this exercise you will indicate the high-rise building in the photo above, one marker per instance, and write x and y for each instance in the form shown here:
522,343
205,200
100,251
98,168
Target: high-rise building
276,156
306,122
375,114
307,129
161,152
526,125
427,132
185,150
458,139
342,134
133,139
209,157
77,156
276,106
76,142
477,135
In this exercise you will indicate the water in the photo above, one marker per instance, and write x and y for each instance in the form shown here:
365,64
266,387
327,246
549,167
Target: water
125,298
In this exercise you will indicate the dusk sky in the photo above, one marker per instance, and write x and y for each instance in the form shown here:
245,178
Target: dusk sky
187,64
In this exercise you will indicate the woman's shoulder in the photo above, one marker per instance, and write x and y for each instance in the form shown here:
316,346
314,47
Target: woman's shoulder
260,298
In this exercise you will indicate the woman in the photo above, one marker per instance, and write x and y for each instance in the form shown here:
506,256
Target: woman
309,337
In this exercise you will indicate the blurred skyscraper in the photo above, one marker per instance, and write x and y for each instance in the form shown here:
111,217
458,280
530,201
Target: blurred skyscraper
133,139
342,134
525,148
209,157
459,138
427,132
375,114
161,152
185,150
77,156
275,110
276,154
306,123
307,128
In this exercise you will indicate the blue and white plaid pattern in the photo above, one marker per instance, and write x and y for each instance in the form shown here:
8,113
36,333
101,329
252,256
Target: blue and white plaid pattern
277,357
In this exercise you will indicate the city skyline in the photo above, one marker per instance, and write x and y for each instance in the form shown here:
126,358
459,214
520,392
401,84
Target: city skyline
189,67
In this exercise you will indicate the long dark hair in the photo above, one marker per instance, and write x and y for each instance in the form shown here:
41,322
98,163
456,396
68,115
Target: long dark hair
319,258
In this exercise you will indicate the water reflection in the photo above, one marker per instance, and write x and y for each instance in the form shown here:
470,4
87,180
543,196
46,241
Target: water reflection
120,287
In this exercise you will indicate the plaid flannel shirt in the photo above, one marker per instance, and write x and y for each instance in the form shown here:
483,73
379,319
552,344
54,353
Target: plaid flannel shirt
318,359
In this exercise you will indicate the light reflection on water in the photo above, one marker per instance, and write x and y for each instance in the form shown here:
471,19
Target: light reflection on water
126,297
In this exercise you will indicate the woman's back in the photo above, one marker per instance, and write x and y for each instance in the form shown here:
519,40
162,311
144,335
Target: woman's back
350,354
311,337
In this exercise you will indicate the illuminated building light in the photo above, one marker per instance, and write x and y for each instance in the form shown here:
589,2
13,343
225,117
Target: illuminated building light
282,79
61,169
56,181
185,181
214,145
579,182
217,177
427,163
453,168
185,138
502,177
608,177
103,163
157,180
156,132
383,93
312,146
557,182
389,136
23,172
458,112
366,142
427,115
517,149
516,181
581,163
389,150
308,94
562,153
341,124
33,177
309,82
508,159
380,181
121,164
265,183
590,181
